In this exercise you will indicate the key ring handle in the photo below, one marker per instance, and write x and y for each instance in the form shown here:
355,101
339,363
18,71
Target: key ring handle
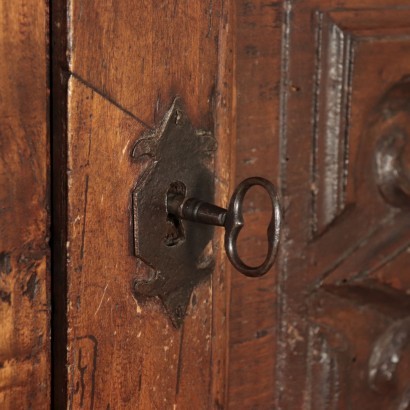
234,222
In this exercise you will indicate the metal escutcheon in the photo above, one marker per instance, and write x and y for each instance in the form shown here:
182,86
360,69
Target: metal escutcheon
178,254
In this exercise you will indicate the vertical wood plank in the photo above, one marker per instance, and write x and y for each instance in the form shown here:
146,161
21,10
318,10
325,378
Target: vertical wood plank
253,301
125,62
225,129
24,206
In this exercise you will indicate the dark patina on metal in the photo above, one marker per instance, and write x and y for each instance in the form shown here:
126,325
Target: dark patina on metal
231,219
166,208
181,159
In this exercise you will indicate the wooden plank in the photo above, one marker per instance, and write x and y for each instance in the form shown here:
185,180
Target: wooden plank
253,301
225,130
126,62
24,207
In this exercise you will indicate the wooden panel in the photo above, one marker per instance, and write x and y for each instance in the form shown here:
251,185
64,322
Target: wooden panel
127,60
253,301
344,256
24,207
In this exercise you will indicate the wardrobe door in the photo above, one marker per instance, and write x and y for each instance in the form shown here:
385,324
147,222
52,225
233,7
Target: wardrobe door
117,68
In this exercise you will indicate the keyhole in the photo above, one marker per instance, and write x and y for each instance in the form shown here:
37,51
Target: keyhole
175,231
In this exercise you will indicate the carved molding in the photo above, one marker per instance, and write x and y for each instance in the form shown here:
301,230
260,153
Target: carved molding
386,354
337,34
327,381
391,130
332,94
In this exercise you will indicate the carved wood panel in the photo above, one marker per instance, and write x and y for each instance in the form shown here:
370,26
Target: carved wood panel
344,306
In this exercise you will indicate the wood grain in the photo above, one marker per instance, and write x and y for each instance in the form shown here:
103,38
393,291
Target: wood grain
344,249
24,207
253,301
125,62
